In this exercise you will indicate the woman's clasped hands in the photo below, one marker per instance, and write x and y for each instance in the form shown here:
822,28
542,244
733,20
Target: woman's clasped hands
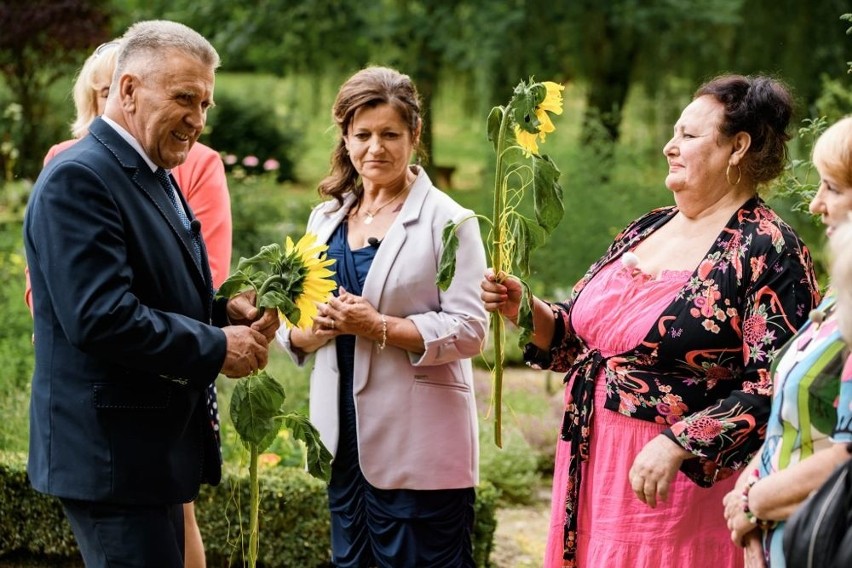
347,314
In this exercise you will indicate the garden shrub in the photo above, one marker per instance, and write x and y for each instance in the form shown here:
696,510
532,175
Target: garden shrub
294,524
30,523
251,138
264,211
16,350
513,469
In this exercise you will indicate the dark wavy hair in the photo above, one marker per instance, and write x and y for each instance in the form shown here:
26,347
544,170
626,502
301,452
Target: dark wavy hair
762,107
369,87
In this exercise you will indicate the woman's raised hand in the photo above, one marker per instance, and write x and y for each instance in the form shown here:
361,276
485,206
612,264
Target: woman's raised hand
501,294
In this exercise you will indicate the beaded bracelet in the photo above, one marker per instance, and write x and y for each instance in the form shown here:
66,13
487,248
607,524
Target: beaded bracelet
761,524
384,340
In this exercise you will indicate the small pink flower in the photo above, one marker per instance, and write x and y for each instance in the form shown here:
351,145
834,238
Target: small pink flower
250,161
230,159
271,165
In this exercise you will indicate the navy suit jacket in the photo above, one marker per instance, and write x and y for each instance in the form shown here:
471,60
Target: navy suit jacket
126,336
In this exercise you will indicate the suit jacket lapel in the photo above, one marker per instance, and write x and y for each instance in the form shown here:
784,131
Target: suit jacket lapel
143,178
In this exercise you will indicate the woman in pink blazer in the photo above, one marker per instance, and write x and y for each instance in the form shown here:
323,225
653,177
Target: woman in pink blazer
392,383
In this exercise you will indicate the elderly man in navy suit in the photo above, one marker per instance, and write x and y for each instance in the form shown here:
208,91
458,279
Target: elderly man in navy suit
128,338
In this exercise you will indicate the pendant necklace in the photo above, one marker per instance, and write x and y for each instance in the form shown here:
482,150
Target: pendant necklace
369,215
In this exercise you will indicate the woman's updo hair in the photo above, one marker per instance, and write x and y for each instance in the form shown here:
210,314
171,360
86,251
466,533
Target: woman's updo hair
369,87
762,107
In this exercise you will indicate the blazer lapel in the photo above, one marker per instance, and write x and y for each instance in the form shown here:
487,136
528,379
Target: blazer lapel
330,219
395,238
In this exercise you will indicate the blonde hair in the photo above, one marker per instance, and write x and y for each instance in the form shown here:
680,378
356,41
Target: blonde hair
841,277
832,153
85,92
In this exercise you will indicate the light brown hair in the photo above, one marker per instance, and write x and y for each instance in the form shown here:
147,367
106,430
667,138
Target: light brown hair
369,87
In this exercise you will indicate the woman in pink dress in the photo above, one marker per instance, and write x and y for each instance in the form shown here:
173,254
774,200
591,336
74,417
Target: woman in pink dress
202,181
667,342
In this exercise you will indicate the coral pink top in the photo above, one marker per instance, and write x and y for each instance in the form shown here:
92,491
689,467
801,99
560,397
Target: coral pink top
203,183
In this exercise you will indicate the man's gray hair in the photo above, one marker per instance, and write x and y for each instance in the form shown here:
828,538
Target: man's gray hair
152,37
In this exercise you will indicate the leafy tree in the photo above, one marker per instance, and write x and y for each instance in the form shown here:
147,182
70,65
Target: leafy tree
799,41
42,41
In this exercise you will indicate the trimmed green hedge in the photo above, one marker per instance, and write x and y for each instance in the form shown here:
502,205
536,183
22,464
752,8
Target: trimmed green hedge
294,528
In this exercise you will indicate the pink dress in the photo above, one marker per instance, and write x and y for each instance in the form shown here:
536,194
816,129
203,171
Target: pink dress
615,529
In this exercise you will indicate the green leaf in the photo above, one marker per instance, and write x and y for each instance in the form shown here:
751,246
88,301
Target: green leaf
319,458
236,283
447,265
525,315
256,409
268,253
528,237
547,193
281,302
523,103
495,118
276,299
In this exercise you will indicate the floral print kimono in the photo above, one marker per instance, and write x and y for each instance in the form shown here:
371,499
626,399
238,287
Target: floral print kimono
703,369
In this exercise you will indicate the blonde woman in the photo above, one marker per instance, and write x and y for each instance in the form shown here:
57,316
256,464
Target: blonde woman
807,433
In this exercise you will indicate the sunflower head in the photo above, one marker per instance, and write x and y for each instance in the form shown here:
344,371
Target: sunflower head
306,279
288,280
529,107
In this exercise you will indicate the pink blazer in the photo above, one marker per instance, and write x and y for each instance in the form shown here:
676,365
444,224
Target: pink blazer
416,413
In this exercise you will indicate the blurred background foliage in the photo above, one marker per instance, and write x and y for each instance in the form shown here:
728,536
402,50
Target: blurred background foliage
629,67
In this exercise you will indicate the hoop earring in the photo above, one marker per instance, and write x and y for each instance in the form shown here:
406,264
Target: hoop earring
728,174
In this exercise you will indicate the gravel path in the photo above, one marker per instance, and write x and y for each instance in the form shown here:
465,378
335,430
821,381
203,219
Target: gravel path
522,534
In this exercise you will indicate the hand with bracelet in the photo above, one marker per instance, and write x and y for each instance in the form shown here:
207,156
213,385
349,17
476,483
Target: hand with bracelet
353,315
741,519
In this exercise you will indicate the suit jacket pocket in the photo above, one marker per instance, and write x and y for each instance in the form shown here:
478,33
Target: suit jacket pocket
132,397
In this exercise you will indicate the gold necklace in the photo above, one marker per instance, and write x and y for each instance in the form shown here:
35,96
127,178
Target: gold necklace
369,214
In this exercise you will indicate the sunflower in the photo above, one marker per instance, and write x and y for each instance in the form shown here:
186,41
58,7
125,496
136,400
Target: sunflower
291,280
314,283
539,125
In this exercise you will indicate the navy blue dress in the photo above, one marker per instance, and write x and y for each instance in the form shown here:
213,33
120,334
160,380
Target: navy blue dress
395,528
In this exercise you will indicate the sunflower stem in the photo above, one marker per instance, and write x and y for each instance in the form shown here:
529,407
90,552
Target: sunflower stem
499,227
254,506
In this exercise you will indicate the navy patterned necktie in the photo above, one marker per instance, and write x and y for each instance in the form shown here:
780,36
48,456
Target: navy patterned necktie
169,188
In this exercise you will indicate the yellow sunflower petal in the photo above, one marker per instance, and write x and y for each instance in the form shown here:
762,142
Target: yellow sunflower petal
527,141
317,284
546,124
553,99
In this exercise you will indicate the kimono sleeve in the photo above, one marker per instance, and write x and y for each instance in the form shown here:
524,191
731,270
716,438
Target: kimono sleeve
725,435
